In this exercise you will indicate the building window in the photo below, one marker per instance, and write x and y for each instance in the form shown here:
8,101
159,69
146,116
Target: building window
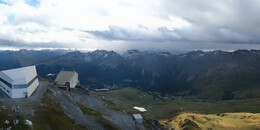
6,83
19,86
8,91
4,88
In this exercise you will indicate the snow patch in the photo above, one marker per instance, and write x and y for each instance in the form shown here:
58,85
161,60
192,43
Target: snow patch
50,74
141,109
105,56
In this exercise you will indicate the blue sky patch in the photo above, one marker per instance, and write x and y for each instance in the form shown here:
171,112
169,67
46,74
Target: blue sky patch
34,3
4,2
10,19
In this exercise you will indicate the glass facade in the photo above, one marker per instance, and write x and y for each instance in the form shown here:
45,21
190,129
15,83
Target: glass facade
6,83
19,86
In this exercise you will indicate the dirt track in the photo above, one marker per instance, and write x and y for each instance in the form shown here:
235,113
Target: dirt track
117,118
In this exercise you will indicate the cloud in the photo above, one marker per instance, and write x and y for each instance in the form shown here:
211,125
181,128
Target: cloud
120,24
138,34
15,44
233,20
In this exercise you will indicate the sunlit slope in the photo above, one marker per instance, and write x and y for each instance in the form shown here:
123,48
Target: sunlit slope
226,121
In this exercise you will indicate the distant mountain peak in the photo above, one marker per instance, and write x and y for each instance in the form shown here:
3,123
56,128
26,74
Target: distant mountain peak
102,54
164,53
197,53
132,53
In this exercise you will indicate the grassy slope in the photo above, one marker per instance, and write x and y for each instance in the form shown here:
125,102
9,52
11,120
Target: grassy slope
98,117
240,83
228,121
126,98
51,116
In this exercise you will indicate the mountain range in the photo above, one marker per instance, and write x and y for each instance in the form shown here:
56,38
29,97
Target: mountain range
216,75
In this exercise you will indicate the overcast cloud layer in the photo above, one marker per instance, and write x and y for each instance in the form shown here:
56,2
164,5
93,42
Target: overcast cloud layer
127,24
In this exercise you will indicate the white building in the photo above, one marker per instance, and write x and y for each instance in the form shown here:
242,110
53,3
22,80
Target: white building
138,118
20,82
65,78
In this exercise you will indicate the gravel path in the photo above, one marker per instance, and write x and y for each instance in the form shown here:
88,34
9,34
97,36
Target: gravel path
26,104
72,110
68,101
122,120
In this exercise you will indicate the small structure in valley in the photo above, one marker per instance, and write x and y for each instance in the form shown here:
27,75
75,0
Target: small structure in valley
138,118
20,82
67,79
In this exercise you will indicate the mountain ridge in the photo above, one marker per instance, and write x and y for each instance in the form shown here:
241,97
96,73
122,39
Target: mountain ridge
196,74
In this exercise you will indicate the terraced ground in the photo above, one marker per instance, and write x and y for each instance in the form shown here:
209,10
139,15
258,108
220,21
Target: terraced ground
169,110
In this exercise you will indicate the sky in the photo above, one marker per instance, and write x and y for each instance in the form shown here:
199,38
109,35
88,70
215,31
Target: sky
172,25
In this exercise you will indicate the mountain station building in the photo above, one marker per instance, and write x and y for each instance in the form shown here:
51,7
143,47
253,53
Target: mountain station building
19,82
67,79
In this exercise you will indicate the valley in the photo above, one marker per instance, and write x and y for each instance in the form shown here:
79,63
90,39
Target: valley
170,112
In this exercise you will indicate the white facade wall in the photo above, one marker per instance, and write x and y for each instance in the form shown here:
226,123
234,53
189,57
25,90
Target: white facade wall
73,81
19,81
32,87
19,93
30,75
